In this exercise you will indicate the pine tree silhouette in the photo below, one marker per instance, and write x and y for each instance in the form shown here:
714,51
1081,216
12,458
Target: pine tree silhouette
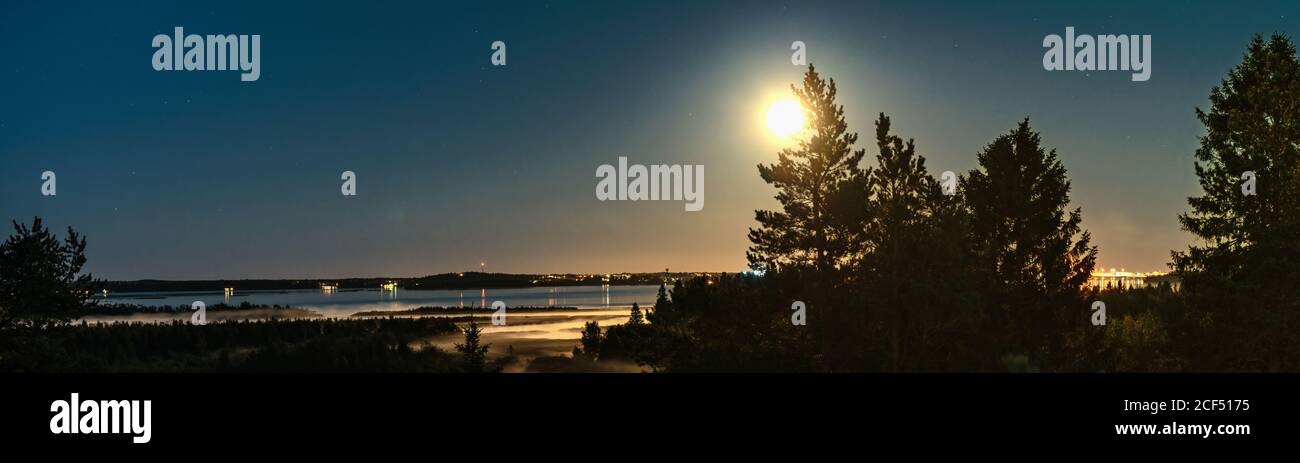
474,356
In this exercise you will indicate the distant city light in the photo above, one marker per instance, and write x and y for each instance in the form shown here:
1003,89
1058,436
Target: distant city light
1125,279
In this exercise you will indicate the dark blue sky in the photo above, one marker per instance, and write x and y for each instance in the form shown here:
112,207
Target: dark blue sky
185,175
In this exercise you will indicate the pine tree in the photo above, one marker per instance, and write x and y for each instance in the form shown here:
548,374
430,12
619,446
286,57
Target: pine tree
805,233
663,305
912,261
635,319
41,283
1032,264
591,340
474,356
815,182
1243,270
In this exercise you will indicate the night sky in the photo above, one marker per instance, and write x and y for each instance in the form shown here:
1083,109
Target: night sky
188,175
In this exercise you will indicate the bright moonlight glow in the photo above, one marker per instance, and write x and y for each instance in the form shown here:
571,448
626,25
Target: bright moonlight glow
785,118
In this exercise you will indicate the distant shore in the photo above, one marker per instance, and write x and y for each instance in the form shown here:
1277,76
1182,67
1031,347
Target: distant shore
114,313
442,281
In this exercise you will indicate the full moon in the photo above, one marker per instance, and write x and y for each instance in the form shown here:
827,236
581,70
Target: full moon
785,118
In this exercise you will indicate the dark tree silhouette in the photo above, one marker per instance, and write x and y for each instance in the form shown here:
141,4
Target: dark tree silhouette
474,356
1033,265
913,266
635,318
41,283
591,339
805,233
1242,274
814,182
663,306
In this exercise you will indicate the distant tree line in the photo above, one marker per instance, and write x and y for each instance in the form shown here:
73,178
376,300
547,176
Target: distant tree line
459,280
133,309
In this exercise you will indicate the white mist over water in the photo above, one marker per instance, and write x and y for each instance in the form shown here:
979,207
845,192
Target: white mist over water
528,334
344,302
